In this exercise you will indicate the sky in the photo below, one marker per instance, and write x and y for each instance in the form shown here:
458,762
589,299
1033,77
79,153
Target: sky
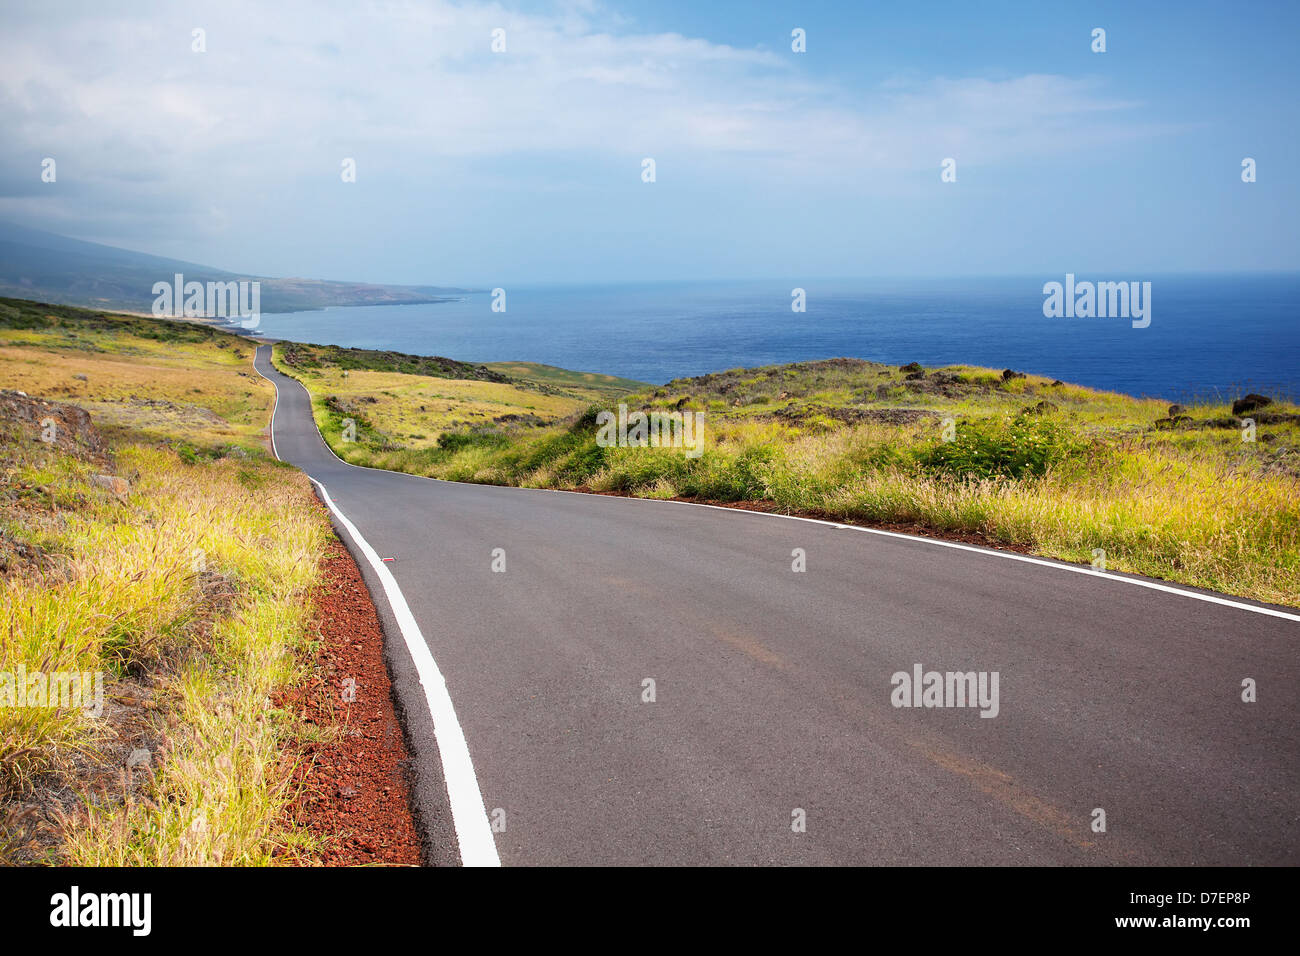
527,164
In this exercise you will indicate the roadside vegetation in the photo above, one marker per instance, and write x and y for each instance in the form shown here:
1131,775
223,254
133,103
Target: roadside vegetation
167,552
1019,460
398,404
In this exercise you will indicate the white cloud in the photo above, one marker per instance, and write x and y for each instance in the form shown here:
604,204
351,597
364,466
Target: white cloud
117,95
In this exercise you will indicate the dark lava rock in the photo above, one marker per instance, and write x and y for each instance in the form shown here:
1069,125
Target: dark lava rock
67,427
1250,403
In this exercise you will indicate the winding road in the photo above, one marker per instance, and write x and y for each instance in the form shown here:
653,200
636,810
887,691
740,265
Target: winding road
771,737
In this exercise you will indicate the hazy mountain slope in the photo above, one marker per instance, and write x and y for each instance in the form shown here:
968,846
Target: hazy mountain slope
53,268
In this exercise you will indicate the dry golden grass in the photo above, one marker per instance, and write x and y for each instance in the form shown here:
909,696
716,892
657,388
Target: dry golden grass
198,583
218,795
134,597
416,409
207,397
399,412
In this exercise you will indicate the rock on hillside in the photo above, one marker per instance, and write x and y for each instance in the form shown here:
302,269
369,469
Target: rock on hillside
67,427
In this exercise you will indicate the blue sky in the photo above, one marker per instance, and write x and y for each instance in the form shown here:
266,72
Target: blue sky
524,166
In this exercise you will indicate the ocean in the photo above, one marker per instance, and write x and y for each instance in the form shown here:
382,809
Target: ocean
1209,336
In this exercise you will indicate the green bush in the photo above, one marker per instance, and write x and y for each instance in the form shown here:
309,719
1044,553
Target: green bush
187,452
1007,448
583,462
459,441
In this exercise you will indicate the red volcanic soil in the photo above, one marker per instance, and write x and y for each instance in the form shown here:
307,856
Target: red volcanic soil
351,790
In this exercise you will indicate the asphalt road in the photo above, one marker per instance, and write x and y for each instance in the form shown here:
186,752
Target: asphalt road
772,689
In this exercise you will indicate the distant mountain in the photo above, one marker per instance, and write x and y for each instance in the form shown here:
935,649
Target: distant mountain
53,268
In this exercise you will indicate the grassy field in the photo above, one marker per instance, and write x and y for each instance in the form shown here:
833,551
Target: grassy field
1022,460
399,403
144,378
188,587
578,383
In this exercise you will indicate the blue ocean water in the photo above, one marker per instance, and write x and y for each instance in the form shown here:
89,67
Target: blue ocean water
1209,335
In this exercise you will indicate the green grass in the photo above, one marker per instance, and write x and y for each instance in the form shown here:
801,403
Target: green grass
134,599
578,383
302,357
399,412
194,591
1023,460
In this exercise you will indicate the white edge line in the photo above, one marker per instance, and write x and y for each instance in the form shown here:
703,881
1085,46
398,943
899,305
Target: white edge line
939,542
990,552
473,831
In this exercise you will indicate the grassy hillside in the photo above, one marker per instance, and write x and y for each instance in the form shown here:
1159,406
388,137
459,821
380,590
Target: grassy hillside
403,403
159,380
1018,460
167,553
577,383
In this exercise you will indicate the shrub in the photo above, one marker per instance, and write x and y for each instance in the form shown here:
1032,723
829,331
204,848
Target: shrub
459,441
1002,448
